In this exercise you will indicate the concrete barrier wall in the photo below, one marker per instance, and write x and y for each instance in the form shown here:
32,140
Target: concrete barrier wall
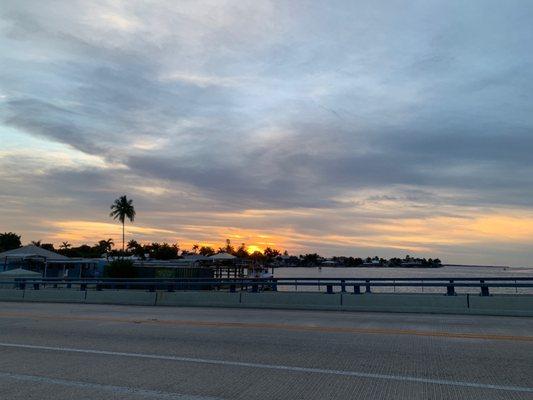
54,296
198,299
127,297
505,305
291,300
11,295
417,303
518,306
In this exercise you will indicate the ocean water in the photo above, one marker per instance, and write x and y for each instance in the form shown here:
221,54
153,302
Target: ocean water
443,272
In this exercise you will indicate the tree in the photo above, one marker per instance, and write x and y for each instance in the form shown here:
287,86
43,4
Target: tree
242,252
133,245
121,209
228,248
257,257
206,251
65,245
136,248
310,260
9,241
120,269
36,243
164,251
271,254
195,248
105,246
48,246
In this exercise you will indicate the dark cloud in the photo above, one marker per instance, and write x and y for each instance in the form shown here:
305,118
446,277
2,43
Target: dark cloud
276,105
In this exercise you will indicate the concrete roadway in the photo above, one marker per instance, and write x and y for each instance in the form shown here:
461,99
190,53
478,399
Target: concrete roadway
67,351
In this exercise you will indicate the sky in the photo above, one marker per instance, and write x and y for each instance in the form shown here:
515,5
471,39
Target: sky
354,128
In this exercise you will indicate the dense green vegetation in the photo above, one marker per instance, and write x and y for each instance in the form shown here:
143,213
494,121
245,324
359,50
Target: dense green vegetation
9,241
166,251
120,268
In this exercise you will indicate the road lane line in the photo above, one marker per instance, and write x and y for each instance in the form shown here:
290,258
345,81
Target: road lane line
288,327
289,368
108,388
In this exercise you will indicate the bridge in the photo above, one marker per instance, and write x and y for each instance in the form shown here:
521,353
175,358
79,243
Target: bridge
57,341
506,296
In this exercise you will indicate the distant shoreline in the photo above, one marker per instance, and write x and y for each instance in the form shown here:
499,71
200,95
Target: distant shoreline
504,267
476,266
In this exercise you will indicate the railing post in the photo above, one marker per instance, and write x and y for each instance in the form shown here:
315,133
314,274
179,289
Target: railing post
274,285
254,288
356,289
343,286
450,289
83,287
367,287
329,289
484,288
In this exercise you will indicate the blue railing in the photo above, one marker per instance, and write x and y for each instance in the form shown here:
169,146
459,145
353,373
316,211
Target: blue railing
449,286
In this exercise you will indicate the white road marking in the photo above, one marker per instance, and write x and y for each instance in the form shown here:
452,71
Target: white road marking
400,378
143,393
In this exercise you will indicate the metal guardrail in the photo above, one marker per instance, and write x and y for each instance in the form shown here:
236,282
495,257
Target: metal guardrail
355,285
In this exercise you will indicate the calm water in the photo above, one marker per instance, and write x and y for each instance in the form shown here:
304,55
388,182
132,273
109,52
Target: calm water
444,272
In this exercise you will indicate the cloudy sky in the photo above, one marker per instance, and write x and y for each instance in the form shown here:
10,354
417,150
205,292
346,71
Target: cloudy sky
343,127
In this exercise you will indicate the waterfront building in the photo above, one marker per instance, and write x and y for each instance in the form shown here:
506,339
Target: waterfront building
50,264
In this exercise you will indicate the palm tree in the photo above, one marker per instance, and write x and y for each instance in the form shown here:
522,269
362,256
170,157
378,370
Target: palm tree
65,245
121,209
105,246
195,248
133,245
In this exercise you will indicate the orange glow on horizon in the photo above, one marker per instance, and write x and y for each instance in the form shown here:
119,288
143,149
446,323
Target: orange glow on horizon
253,248
418,236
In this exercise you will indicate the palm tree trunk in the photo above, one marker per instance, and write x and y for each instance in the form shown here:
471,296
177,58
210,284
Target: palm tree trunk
123,239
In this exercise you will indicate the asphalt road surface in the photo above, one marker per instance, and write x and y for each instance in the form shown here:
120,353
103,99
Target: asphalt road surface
67,351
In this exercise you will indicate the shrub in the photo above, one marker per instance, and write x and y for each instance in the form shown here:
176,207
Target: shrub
120,269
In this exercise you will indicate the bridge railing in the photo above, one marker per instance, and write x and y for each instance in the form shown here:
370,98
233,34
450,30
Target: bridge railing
448,286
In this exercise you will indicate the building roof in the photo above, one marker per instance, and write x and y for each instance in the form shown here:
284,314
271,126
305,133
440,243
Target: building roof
222,256
20,272
196,257
32,251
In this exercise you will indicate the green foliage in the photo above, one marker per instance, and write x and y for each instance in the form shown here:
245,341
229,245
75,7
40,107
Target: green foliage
120,269
105,246
228,248
310,259
206,251
163,251
9,241
123,208
271,254
165,273
241,252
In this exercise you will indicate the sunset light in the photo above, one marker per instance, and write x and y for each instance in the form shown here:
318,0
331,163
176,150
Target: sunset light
266,199
252,249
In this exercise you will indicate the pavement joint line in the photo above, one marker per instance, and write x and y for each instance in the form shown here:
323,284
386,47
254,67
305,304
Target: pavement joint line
288,327
144,393
288,368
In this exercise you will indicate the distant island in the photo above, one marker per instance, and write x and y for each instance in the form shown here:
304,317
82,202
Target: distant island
269,257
